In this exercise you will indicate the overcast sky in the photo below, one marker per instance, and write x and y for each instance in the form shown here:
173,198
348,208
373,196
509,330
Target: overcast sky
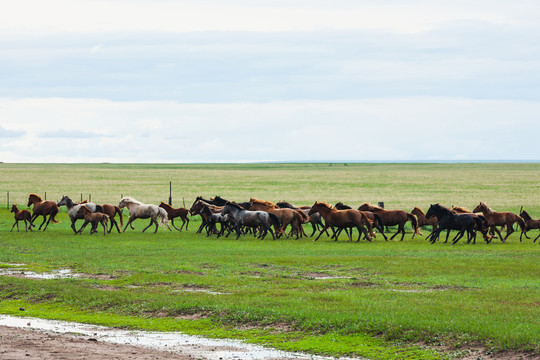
227,81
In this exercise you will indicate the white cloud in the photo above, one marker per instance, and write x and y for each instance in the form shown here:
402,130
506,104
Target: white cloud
370,129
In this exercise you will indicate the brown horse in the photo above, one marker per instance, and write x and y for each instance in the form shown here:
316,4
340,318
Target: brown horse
112,211
495,219
530,224
342,219
176,212
93,218
393,217
43,208
423,221
285,216
314,219
375,219
23,215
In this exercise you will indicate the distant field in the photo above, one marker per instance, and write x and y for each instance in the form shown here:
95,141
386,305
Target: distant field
380,300
501,186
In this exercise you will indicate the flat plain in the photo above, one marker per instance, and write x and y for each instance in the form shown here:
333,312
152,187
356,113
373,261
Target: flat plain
381,300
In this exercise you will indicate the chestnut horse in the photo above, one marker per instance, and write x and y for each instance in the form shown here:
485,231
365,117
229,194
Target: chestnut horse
25,216
375,219
43,208
424,221
314,219
342,219
174,213
285,216
530,224
393,217
495,219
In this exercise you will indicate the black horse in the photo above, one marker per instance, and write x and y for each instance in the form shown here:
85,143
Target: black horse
449,220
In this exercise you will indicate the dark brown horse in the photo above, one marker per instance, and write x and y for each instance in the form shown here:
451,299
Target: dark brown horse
484,229
495,219
393,217
341,219
176,212
43,208
530,224
23,215
314,219
198,206
112,211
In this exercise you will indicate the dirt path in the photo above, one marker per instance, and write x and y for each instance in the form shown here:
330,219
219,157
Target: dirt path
17,344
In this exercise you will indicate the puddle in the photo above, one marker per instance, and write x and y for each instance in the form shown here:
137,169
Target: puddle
175,342
206,291
56,274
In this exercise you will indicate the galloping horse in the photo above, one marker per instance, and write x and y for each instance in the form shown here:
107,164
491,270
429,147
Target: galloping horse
174,213
449,220
423,221
138,210
43,208
484,229
285,216
530,224
25,216
374,218
196,209
495,219
393,217
314,219
73,209
342,219
111,211
253,219
93,218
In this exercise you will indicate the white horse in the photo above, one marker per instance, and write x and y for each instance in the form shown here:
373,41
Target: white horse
138,210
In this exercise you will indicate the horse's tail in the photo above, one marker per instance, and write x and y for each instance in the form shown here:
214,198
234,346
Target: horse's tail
52,217
164,216
118,211
304,218
414,223
99,209
378,221
479,222
521,223
275,220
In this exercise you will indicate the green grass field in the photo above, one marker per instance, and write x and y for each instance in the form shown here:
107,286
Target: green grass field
394,300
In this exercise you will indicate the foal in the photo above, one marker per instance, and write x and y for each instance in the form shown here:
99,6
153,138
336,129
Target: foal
174,213
94,218
21,215
530,224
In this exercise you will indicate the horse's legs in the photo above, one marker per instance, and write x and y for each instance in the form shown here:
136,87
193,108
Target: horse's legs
174,226
397,232
494,228
402,226
509,230
536,238
44,219
323,229
458,236
129,223
15,223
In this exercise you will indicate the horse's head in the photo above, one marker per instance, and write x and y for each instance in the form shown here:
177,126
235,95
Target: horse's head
433,210
14,208
481,207
196,207
32,198
417,211
64,201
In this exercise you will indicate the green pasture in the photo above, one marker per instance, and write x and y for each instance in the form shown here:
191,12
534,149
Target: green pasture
380,300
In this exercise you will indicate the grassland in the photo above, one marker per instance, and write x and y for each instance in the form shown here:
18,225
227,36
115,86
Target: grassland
379,300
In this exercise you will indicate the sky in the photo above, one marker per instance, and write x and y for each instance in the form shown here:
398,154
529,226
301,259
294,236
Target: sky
246,81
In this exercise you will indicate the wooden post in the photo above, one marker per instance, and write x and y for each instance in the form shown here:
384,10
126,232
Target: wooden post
381,204
170,193
89,197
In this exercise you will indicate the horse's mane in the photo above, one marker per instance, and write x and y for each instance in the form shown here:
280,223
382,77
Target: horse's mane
461,209
35,195
443,207
325,204
375,207
234,205
164,204
419,210
263,202
131,200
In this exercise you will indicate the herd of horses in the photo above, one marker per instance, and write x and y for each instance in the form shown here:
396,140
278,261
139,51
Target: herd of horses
260,217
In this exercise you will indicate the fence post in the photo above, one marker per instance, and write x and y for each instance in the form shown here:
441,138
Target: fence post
381,204
170,193
89,197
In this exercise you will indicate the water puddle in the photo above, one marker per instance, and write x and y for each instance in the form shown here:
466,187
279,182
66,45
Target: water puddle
21,272
175,342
